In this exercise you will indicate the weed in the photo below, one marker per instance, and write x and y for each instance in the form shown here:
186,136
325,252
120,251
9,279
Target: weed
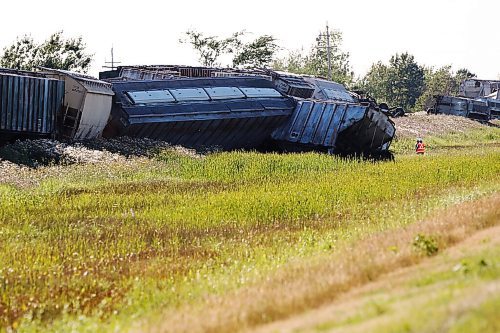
426,245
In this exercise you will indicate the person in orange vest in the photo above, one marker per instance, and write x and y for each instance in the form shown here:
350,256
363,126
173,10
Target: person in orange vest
420,147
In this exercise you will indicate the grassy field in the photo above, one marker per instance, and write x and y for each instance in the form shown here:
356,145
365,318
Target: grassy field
229,240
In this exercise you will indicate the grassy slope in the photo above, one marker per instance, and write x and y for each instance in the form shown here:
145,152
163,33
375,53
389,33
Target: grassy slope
113,244
454,291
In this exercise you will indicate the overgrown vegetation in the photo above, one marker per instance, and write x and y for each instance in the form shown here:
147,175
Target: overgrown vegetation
101,246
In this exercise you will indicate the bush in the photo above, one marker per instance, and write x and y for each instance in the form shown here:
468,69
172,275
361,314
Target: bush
426,244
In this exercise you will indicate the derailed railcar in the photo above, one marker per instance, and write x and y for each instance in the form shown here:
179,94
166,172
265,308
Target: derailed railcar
87,105
459,106
475,88
336,127
29,104
228,113
334,121
371,121
494,106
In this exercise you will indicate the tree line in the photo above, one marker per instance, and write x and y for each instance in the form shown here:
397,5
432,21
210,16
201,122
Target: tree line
399,82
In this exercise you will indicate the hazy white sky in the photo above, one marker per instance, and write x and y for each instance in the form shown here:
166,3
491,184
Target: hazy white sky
438,32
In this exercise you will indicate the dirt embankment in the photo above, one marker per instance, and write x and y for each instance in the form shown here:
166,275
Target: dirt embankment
420,124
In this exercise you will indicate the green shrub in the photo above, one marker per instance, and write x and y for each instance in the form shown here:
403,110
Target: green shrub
426,245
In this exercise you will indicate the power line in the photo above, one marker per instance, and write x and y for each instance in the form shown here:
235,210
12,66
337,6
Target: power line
328,49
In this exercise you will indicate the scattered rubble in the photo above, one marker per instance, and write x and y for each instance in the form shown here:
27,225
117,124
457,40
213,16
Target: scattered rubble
43,152
27,163
34,153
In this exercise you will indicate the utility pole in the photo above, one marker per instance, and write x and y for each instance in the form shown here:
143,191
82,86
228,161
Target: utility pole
112,62
328,50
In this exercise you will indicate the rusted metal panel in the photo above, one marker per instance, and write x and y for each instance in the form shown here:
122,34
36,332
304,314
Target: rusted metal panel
339,127
199,113
29,104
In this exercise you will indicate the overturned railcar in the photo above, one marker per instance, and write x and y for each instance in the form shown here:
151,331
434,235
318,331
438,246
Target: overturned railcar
166,72
29,105
336,127
459,106
228,113
87,105
333,133
334,121
494,106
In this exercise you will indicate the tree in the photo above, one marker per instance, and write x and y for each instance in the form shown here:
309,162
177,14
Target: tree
464,74
341,70
437,82
256,54
210,48
442,81
376,82
461,75
400,83
406,80
56,52
294,63
20,55
315,62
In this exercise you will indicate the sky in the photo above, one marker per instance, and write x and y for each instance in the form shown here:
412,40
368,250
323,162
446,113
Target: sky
437,32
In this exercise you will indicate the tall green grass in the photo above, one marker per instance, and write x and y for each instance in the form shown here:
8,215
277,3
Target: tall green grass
101,244
471,140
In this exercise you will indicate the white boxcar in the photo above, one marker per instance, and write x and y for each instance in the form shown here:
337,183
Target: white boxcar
87,105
